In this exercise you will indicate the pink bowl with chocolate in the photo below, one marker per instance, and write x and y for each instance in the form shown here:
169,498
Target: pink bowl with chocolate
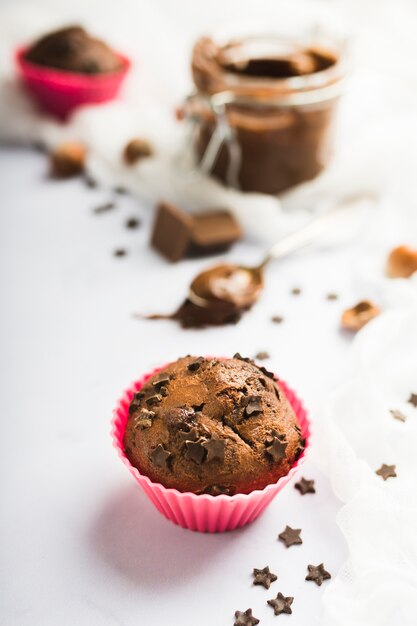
60,92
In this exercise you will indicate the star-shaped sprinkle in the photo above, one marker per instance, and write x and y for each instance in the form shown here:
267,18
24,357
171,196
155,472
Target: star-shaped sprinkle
276,446
215,449
155,399
317,574
290,536
189,435
160,456
305,486
263,577
398,415
386,471
245,618
195,365
162,381
413,399
144,419
281,604
195,451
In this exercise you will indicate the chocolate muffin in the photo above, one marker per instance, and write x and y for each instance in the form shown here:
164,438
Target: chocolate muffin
212,426
74,50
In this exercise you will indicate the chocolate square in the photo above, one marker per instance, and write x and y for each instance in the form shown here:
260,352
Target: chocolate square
171,232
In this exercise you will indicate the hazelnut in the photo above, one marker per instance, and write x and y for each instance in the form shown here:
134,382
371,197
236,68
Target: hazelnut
359,315
137,149
402,262
67,160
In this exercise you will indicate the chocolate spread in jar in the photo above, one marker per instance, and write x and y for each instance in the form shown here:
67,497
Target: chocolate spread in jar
281,111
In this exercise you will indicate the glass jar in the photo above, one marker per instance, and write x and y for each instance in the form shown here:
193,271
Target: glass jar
264,108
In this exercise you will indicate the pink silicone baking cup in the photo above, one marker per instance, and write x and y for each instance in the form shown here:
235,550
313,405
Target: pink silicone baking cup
60,92
205,513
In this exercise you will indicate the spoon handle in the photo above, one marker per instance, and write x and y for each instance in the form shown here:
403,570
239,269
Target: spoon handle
306,234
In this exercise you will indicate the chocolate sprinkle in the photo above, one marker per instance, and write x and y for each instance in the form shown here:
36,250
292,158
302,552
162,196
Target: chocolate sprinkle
276,447
144,419
253,405
156,399
190,435
332,296
317,574
245,618
290,536
215,449
398,415
296,291
281,604
163,381
195,365
277,319
120,252
104,208
217,490
305,486
160,456
261,356
386,471
132,223
195,451
413,399
263,577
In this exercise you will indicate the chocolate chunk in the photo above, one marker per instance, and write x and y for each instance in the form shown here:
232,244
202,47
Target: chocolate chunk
136,150
156,399
132,223
215,449
386,471
261,356
160,456
263,577
253,405
195,365
398,415
281,604
162,381
277,319
120,252
139,395
276,447
195,451
290,536
144,419
413,399
104,208
245,618
198,407
177,235
265,371
317,574
305,486
296,291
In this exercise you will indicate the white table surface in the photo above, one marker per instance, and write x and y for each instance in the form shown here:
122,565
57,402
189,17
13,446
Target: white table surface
80,543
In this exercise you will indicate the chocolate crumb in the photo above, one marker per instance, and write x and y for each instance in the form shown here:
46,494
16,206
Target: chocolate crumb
121,191
132,223
261,356
263,577
119,252
281,604
245,618
90,182
332,296
290,536
317,574
413,400
277,319
296,291
386,471
215,449
305,486
398,415
104,208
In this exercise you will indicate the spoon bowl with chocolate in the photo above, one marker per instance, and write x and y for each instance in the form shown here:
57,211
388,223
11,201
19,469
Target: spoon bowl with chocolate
222,293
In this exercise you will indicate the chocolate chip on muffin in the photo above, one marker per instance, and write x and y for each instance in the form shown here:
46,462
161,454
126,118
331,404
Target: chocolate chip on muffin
72,49
212,426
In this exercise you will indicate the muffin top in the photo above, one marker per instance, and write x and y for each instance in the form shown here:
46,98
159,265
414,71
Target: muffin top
74,50
212,426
